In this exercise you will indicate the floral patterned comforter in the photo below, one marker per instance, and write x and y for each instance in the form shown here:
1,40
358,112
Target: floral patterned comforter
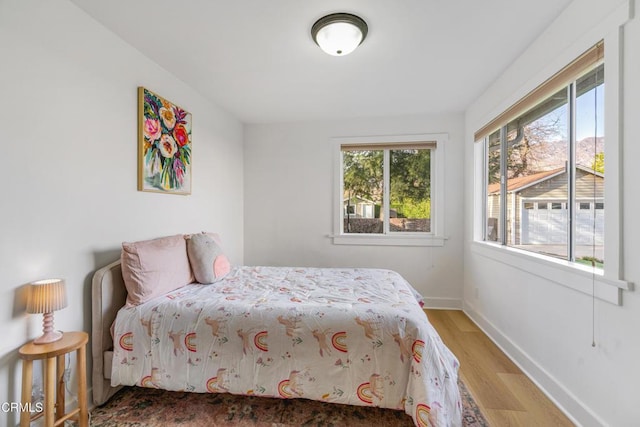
352,336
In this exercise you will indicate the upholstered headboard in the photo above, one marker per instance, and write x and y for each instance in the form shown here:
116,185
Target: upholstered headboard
108,295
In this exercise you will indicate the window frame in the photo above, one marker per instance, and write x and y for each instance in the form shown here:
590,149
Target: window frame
608,284
547,204
436,237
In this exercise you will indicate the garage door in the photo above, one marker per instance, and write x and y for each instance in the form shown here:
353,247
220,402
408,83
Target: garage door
585,223
545,222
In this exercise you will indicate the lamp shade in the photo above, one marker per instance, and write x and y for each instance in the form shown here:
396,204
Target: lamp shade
339,34
46,296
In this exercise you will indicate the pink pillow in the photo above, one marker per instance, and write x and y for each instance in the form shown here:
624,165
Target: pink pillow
152,268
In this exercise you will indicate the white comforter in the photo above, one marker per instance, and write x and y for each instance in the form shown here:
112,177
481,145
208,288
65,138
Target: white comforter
353,336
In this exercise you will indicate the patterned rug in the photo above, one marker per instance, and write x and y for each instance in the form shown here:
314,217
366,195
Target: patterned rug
144,407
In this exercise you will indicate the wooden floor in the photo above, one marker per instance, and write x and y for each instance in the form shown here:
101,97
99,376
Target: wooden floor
504,394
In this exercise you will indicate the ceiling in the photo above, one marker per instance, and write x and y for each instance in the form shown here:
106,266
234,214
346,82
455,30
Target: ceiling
256,58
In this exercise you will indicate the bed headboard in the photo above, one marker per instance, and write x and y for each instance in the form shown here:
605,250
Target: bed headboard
108,296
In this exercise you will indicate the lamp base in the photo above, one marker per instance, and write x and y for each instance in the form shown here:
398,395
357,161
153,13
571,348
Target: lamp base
48,337
49,334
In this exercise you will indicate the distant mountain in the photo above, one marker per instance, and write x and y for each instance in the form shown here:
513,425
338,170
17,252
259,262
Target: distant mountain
586,151
553,154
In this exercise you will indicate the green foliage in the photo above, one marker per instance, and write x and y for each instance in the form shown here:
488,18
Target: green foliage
412,208
591,261
363,174
598,162
410,179
410,175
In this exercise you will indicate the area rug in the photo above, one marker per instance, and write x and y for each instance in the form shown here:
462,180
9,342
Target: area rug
144,407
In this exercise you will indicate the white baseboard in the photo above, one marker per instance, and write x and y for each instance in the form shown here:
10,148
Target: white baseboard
443,303
563,398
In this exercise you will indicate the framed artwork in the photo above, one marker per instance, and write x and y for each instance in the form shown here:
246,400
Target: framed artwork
164,145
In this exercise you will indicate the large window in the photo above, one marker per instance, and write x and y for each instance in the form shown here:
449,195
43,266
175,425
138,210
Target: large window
544,159
387,189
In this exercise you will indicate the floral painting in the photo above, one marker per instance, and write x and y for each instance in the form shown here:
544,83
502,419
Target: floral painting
164,139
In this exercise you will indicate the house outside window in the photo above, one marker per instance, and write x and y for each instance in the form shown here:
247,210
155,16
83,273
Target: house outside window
545,166
389,190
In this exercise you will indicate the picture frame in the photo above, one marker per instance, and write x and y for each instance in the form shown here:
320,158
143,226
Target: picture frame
164,145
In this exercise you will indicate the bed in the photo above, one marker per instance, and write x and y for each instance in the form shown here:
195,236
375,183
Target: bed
351,336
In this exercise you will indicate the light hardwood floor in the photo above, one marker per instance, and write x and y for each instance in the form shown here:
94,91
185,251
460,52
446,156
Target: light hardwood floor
504,394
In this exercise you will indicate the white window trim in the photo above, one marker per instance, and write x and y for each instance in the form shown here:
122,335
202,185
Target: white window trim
437,235
578,277
607,285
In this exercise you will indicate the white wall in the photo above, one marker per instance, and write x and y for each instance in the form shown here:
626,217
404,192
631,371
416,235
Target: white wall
289,190
546,327
68,120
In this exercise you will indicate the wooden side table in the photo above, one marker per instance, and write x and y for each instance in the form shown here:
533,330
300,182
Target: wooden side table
54,356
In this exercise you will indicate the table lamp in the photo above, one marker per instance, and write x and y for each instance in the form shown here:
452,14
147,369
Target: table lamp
47,296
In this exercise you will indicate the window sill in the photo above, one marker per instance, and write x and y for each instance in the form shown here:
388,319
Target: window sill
574,276
388,240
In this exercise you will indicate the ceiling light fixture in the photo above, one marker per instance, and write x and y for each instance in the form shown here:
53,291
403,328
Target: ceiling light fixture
339,34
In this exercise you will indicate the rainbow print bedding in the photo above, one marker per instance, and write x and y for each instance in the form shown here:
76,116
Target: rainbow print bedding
352,336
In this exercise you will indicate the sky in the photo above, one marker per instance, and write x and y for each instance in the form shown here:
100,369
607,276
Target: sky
585,120
586,105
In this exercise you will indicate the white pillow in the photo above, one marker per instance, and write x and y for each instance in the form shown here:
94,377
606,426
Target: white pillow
208,262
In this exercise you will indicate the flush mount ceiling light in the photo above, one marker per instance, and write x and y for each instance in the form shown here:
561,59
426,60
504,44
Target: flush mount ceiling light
339,34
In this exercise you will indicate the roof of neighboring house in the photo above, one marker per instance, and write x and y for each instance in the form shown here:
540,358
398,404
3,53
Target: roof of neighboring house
516,184
362,199
522,182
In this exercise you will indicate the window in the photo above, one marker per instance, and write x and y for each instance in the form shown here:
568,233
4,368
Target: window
388,190
586,93
549,149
